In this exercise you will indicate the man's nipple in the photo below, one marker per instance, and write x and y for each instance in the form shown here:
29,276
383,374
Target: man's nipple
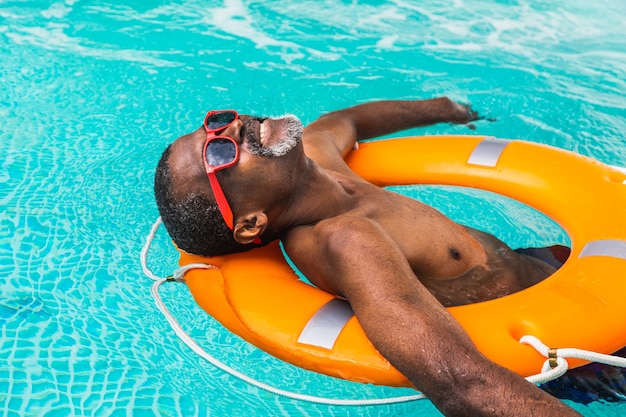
455,254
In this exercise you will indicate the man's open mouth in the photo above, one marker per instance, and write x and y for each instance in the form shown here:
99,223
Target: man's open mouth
254,131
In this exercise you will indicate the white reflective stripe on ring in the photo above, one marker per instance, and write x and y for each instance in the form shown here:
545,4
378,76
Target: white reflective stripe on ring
613,248
323,328
487,152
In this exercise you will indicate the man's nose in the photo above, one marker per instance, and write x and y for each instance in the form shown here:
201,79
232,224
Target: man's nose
234,131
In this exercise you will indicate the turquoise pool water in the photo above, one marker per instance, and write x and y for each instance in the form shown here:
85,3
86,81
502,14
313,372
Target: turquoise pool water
93,91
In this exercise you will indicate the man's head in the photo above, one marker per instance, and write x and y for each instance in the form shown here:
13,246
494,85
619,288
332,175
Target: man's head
253,185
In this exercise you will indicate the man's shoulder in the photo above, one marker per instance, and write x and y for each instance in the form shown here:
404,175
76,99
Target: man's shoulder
345,224
331,236
319,250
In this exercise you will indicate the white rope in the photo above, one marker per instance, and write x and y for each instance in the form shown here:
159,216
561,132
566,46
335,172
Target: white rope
548,373
143,256
178,277
178,274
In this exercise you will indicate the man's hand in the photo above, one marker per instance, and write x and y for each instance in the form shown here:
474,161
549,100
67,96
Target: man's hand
465,114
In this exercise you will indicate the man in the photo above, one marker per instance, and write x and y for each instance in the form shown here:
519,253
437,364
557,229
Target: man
397,261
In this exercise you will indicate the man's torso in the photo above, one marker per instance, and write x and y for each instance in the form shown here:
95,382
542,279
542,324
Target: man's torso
457,264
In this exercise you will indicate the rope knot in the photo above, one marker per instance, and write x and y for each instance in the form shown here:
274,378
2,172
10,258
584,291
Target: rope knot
553,357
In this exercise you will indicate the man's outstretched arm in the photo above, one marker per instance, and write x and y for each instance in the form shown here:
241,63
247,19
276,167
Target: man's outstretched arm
329,139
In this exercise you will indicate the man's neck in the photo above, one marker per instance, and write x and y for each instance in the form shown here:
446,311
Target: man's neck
321,194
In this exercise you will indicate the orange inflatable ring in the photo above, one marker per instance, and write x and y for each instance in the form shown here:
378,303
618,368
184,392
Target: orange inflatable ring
257,296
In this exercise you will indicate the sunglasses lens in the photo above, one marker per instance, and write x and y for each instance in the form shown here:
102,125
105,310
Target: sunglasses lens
220,120
220,152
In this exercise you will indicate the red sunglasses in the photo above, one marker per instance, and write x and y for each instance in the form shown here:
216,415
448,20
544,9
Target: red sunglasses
220,152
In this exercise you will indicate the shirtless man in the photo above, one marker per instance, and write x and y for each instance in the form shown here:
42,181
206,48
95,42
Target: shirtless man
396,260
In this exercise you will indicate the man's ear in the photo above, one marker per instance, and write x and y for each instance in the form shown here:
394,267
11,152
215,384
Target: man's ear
249,227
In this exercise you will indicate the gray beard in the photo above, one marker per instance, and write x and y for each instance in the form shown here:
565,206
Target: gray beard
291,136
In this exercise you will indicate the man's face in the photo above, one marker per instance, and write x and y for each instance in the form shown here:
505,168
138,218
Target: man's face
269,153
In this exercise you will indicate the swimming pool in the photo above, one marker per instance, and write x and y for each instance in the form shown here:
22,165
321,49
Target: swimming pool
93,91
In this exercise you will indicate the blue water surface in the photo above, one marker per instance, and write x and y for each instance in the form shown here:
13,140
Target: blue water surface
93,91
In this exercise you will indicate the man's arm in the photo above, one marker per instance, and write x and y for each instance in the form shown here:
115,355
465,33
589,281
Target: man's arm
411,328
329,139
